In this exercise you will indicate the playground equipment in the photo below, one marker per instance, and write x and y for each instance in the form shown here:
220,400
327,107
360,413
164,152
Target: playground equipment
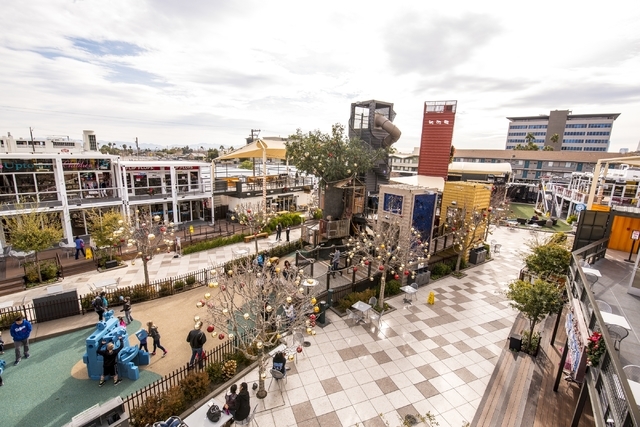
129,358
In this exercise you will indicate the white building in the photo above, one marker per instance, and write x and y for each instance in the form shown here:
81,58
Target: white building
576,132
69,177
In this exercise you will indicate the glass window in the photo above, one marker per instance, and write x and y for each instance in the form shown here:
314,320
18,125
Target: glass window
46,186
393,203
25,183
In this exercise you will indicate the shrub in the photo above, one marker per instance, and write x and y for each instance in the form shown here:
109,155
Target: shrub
572,218
178,285
86,302
6,320
551,259
165,289
317,214
392,288
214,243
191,280
142,293
158,407
215,372
439,270
354,297
239,357
195,386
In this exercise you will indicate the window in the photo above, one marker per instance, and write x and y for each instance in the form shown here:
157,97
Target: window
596,141
599,125
574,133
537,126
93,146
600,133
392,203
518,127
568,164
576,126
574,141
550,164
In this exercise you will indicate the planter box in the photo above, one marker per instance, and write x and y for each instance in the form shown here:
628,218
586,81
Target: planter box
515,342
110,264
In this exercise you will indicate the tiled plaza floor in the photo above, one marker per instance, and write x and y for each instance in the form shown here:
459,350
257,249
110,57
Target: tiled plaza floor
422,358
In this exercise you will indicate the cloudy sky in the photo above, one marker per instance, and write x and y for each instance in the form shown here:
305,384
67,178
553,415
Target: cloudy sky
208,71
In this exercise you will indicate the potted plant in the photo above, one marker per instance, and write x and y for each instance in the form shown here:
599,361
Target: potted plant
595,348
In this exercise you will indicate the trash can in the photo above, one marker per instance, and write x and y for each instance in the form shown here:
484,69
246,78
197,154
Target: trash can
515,342
478,256
321,316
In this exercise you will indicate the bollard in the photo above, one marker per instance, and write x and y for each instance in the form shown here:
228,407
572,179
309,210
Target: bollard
321,315
330,298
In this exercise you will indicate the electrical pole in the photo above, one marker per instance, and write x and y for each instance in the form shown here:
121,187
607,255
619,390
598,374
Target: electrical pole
137,148
33,147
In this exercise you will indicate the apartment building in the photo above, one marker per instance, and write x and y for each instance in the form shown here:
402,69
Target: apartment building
575,132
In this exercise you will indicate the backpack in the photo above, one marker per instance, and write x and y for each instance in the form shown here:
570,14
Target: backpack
95,303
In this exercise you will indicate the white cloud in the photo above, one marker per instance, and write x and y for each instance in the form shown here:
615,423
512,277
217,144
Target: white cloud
209,71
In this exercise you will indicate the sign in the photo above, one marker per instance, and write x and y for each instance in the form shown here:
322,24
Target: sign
635,235
191,229
580,207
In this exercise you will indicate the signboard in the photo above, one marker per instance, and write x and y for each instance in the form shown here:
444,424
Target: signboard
635,234
580,207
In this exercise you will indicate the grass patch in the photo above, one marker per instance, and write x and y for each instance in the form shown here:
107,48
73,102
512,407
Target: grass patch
523,210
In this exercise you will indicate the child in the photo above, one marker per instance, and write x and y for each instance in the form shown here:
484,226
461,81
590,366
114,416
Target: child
153,333
127,310
109,362
121,322
142,336
230,400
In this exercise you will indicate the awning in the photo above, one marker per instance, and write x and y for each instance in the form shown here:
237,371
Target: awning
420,181
275,150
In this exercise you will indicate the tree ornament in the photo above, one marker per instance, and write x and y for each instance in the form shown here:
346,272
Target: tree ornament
210,328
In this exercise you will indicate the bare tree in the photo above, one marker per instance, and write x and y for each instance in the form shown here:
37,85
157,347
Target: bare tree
467,228
147,233
394,247
254,216
258,307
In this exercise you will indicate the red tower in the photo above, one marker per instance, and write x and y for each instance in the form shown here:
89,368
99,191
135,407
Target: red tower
437,135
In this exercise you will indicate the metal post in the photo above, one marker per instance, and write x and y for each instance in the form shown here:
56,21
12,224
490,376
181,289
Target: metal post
328,280
555,328
563,359
584,393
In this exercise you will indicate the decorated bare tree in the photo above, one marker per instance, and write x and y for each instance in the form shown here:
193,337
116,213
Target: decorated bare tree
256,307
148,234
105,229
255,216
498,208
394,248
467,228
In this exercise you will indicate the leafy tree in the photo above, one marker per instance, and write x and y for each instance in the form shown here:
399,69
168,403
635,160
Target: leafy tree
331,157
530,146
547,148
247,164
106,228
535,300
246,304
212,154
186,150
555,138
33,230
549,259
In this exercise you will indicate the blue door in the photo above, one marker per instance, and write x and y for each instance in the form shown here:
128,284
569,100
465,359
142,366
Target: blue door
579,168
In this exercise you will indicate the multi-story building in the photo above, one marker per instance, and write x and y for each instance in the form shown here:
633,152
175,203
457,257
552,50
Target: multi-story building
68,177
575,132
404,164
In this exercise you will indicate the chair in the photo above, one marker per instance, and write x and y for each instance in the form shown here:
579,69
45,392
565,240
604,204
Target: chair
618,333
632,372
354,316
19,255
373,301
603,306
277,375
6,252
250,419
375,316
496,248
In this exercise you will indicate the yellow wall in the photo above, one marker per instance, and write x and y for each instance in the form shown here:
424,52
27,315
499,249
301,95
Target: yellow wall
468,195
620,238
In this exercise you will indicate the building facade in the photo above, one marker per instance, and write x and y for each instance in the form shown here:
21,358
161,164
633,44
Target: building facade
437,136
576,132
67,178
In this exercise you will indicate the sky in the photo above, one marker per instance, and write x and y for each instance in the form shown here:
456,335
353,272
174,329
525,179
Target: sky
178,73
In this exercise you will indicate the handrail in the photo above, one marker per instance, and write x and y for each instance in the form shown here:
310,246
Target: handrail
601,379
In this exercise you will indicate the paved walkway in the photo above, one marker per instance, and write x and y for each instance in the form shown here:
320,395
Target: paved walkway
423,358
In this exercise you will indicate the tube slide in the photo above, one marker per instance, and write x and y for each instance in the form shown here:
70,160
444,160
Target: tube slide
389,127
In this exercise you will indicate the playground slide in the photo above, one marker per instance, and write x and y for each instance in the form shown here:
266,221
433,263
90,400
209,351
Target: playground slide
387,125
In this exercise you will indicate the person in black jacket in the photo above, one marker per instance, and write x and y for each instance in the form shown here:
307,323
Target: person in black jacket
109,362
243,405
196,340
279,362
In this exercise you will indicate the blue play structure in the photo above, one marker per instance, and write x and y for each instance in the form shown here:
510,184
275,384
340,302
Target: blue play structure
129,358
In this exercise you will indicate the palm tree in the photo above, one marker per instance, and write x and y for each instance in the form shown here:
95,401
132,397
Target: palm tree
554,138
530,137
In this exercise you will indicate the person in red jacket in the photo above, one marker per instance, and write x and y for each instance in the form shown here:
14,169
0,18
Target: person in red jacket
109,362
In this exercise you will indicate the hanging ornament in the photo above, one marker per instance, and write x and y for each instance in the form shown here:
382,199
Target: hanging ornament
289,300
299,349
396,277
210,328
381,268
207,295
246,316
199,304
231,336
313,301
196,319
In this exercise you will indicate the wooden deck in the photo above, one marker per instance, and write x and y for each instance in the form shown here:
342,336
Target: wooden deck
520,392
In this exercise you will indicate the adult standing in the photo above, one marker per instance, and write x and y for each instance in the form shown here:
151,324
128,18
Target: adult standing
288,230
20,332
278,232
178,247
79,247
335,261
196,340
243,405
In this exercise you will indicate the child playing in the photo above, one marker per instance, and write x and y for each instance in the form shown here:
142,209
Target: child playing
142,336
127,310
121,322
155,335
